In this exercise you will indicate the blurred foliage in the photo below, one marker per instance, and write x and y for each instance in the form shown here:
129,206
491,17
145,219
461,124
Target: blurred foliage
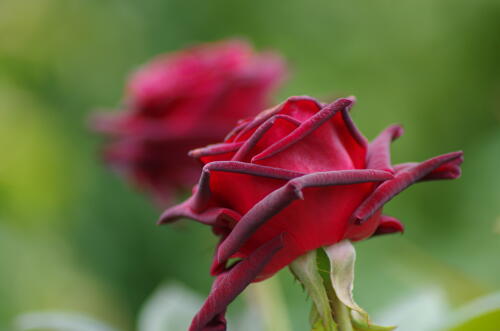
74,237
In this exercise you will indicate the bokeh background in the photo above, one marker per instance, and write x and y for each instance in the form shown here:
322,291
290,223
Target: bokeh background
75,237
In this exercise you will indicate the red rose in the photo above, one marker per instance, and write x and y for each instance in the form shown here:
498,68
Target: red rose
181,101
294,178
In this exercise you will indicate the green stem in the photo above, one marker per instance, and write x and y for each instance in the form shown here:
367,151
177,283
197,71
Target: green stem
341,313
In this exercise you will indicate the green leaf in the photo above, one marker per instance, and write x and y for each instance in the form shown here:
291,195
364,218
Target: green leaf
482,314
306,271
422,310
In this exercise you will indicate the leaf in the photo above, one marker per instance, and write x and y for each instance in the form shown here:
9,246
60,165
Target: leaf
482,314
306,271
342,257
422,310
58,321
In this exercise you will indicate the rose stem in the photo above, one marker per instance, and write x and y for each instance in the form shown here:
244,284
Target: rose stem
341,313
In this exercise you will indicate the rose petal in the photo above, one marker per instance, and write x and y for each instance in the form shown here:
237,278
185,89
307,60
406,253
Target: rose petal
240,125
230,284
353,140
389,224
202,195
219,152
379,154
277,200
210,216
282,126
302,108
386,191
286,108
450,170
307,127
253,124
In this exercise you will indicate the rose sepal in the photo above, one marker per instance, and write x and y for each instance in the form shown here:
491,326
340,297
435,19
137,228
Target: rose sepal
327,274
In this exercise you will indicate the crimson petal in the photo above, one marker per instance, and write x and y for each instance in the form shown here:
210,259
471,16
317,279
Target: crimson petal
389,224
202,196
258,120
229,284
277,200
211,216
379,155
386,191
215,149
257,135
358,136
194,207
265,115
450,170
305,129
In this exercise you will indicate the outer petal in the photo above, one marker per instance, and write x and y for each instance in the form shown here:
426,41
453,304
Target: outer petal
216,152
379,154
211,216
386,191
450,170
222,183
389,224
279,199
353,140
230,284
198,207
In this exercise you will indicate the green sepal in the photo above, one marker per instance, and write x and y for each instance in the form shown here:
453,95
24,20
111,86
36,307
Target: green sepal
305,269
342,257
360,324
315,320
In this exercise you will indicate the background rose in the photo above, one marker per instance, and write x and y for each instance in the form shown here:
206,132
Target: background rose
296,177
180,101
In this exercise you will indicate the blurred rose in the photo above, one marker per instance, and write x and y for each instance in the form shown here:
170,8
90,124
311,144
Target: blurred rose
295,178
180,101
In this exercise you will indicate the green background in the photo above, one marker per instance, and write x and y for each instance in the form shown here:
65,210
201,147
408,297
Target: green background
74,237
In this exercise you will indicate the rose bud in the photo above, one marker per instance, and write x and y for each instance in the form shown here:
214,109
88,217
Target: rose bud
181,101
295,178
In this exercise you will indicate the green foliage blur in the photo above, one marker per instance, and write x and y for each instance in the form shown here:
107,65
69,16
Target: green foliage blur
75,237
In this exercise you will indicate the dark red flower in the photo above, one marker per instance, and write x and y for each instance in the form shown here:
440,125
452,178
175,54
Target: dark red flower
294,178
181,101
